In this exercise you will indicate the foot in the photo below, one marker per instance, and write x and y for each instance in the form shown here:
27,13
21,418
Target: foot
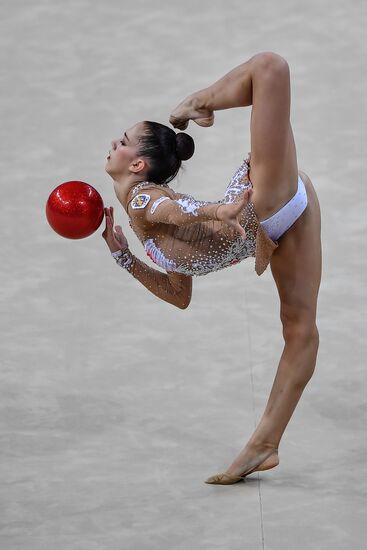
269,463
254,458
247,462
191,108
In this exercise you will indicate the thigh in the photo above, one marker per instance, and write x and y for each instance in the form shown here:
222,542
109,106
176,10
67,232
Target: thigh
273,152
296,264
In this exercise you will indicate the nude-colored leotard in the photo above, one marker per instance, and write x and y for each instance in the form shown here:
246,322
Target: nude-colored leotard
203,247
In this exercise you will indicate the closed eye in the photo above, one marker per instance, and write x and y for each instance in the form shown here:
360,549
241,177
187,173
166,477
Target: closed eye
122,143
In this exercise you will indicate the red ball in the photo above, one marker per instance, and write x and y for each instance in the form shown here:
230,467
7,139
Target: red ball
75,210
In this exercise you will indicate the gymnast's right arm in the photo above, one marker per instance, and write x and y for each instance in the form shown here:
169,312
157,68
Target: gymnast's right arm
174,288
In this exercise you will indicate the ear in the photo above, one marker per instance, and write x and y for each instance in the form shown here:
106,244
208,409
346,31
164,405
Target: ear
138,165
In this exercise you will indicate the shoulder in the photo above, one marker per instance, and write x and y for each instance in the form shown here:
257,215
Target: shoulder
147,199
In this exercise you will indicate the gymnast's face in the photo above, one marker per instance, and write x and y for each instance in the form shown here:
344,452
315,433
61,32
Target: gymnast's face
123,159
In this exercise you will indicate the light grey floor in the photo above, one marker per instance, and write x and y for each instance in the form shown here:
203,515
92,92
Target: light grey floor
116,406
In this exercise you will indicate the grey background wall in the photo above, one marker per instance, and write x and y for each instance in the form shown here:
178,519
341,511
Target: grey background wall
114,405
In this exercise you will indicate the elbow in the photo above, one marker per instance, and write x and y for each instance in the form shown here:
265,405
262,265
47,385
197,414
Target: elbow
175,220
183,297
184,304
184,300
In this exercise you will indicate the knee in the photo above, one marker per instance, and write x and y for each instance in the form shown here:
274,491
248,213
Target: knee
304,332
272,64
302,341
301,338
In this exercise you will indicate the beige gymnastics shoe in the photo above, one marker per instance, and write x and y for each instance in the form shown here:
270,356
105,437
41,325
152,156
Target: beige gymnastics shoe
228,479
191,108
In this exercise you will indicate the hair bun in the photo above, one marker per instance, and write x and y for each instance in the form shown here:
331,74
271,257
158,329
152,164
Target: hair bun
185,146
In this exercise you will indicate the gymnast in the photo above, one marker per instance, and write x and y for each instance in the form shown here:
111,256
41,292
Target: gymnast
270,211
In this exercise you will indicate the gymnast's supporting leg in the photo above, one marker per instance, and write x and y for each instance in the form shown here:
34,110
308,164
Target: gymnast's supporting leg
296,268
295,370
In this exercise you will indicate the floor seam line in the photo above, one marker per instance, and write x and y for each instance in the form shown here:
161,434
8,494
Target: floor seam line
254,413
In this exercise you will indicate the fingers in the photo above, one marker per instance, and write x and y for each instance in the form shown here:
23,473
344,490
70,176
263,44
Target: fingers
118,232
247,194
242,201
109,220
242,232
109,213
237,208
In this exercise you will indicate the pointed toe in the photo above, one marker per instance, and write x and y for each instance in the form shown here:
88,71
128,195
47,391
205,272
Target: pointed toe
223,479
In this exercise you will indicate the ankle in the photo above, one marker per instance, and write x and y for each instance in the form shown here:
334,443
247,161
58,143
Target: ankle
262,446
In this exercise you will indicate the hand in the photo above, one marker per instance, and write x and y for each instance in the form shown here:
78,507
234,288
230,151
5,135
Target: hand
192,108
115,240
230,213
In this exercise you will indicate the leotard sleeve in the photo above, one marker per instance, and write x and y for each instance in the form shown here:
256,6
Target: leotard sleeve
153,206
174,288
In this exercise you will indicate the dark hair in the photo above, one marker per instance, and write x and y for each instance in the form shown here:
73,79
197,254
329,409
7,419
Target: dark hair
165,150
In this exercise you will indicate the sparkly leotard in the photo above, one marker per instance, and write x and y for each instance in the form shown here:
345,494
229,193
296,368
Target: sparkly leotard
203,247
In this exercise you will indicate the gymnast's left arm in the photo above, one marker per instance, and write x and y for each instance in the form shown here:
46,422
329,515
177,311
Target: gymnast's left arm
186,210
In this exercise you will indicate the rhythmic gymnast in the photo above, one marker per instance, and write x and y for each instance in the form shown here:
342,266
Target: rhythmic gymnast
270,211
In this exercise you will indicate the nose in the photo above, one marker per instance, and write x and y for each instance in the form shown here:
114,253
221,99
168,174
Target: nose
113,143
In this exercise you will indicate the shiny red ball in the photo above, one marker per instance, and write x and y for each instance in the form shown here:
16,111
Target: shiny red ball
75,210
